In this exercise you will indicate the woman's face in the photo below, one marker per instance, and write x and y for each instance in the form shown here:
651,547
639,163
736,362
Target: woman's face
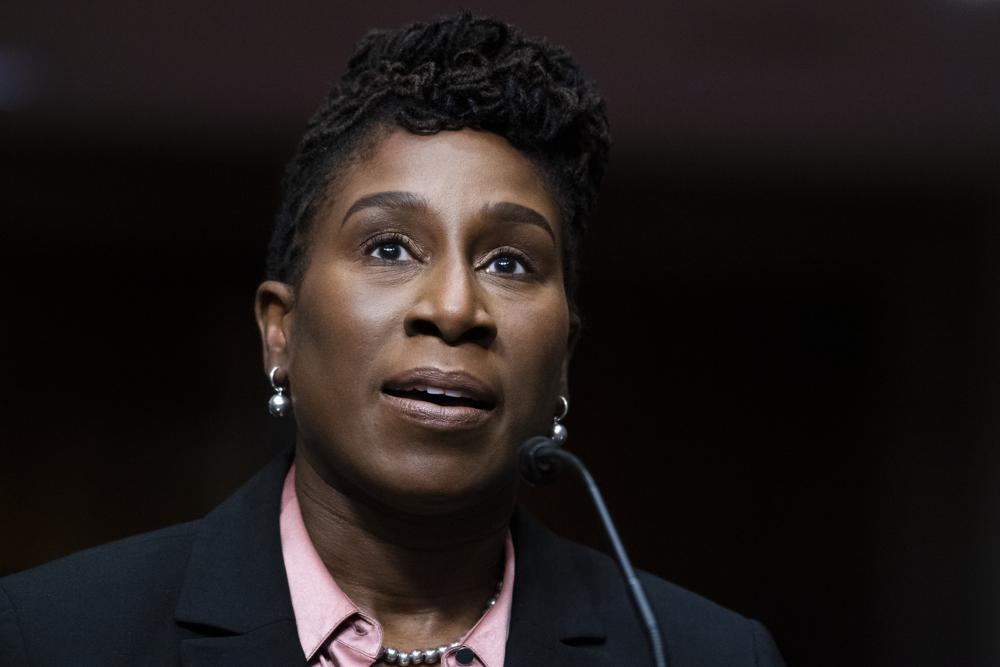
435,267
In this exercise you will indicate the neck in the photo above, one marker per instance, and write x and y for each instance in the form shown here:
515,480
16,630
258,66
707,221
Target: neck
424,578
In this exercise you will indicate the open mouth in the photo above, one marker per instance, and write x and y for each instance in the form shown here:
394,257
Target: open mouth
437,396
441,400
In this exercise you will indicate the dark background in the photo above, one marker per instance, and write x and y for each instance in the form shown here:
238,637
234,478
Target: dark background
788,386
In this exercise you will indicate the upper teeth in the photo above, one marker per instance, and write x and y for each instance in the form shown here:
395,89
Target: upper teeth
454,393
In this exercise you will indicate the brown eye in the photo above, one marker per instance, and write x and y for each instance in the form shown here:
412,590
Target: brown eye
506,263
391,251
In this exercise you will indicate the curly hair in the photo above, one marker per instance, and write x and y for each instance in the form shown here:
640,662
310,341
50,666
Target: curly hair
455,72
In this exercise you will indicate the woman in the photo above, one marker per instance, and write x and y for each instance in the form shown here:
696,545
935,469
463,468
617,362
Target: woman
417,322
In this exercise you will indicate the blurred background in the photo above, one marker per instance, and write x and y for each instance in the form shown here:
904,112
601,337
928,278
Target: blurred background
788,384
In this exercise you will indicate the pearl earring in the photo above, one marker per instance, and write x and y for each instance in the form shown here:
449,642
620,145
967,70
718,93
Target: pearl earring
559,432
278,404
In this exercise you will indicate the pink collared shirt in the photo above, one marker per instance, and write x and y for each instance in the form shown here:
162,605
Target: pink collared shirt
334,632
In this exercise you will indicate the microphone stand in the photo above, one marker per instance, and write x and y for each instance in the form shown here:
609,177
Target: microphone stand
538,459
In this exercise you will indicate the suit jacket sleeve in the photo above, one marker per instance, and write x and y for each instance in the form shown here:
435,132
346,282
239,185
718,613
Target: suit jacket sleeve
11,644
765,650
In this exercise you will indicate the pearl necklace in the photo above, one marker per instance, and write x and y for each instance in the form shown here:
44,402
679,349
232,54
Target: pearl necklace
429,656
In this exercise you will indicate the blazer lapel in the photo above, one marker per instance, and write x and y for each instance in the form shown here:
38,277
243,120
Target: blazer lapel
554,620
276,644
234,604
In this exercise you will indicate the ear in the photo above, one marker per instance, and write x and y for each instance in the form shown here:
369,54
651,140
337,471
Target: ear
575,326
273,305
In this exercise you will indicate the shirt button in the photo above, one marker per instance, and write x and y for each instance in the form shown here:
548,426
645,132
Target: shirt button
360,629
464,656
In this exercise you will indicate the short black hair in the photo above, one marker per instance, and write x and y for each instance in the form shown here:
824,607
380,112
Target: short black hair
455,72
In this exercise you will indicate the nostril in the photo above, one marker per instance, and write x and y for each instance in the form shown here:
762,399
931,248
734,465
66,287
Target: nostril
425,328
478,334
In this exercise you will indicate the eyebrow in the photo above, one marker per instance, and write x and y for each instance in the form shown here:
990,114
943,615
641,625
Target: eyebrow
508,211
391,201
504,211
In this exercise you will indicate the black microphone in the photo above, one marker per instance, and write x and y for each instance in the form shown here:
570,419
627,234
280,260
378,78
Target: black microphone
538,461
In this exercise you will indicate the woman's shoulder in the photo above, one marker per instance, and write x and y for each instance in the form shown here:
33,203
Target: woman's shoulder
122,559
708,625
89,597
135,601
98,591
696,630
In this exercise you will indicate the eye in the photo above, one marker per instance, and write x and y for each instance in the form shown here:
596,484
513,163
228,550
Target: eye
390,249
506,263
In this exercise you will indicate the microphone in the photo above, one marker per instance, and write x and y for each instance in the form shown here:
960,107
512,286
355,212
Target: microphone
539,461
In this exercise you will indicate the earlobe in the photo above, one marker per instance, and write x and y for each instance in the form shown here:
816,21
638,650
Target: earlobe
564,375
273,305
575,326
564,382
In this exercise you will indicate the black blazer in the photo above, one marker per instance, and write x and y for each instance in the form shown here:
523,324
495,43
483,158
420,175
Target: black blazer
214,592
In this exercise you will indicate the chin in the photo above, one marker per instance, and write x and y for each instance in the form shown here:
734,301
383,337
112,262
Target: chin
439,484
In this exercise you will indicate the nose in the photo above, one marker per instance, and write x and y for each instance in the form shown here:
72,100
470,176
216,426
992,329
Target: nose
451,305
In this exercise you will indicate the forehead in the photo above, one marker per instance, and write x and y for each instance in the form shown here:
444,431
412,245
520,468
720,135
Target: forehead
456,172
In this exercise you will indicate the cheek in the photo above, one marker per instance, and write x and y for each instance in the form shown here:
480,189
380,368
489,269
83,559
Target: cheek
536,344
343,327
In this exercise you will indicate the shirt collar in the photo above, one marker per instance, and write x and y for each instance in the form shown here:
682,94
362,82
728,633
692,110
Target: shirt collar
322,608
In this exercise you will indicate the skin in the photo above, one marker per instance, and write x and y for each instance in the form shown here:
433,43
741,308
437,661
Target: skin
456,279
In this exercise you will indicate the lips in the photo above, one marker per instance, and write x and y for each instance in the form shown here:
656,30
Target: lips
440,399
